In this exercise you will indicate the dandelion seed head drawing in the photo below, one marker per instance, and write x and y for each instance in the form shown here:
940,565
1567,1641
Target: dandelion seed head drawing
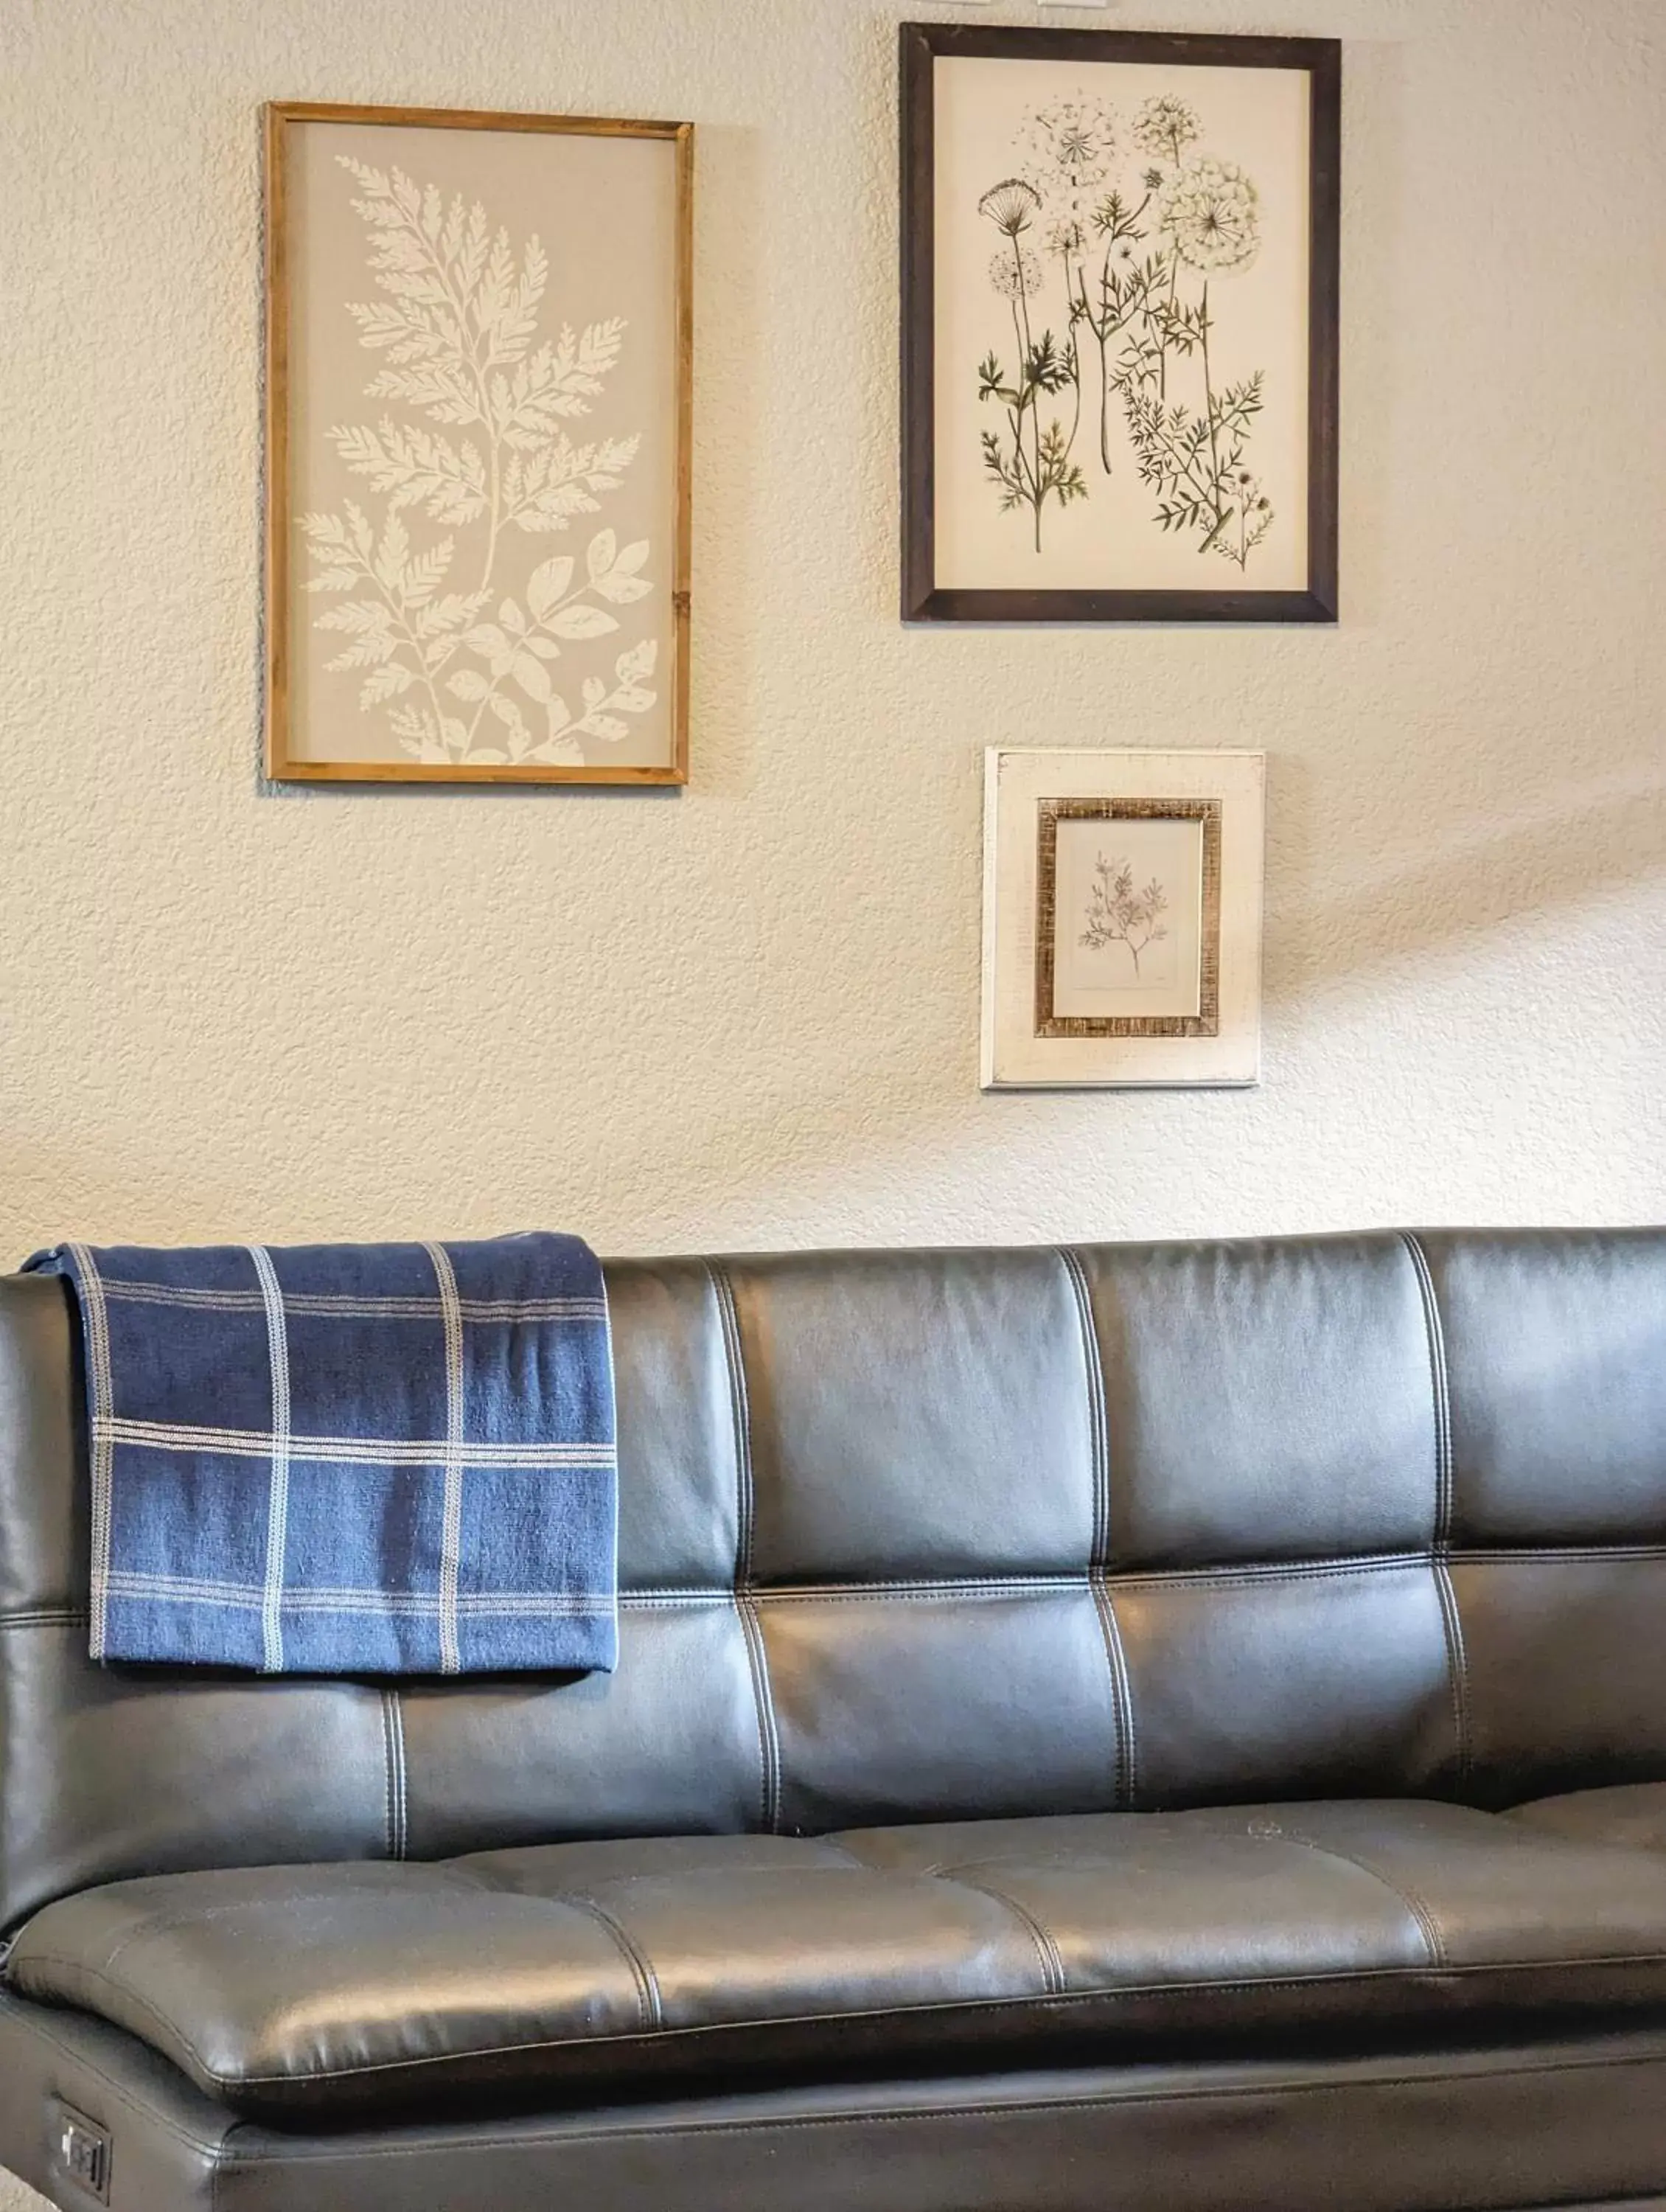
1165,125
1210,212
1069,145
1015,274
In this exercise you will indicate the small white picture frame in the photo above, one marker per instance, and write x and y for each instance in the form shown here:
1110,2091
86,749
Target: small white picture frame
1121,917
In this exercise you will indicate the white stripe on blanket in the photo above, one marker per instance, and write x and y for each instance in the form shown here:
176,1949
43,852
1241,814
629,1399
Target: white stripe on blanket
251,1597
451,1544
277,1497
352,1451
345,1306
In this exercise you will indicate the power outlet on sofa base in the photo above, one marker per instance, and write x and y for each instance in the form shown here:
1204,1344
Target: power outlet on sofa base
80,2151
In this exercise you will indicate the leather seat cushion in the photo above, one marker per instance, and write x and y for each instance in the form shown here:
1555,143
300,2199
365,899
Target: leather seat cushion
303,1993
1633,1813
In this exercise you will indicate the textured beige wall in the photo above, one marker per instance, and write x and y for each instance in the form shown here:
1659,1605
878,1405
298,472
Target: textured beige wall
747,1015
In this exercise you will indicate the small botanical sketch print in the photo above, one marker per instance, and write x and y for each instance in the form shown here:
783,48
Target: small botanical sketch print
1121,917
1128,899
478,523
1120,234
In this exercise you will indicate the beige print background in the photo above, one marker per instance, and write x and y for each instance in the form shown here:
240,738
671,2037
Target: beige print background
602,208
1257,118
1103,979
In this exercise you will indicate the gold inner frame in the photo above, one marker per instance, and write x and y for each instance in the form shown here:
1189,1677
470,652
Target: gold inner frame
1206,1022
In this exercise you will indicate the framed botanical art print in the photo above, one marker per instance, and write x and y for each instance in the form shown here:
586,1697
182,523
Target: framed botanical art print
478,369
1121,917
1119,325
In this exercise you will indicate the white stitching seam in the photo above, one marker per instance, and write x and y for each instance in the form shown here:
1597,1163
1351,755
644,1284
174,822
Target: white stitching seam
1271,1572
1098,1430
388,1852
393,1742
743,1595
1451,1624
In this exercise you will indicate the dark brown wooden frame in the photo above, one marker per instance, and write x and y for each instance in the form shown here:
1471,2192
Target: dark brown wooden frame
282,766
1206,1022
919,44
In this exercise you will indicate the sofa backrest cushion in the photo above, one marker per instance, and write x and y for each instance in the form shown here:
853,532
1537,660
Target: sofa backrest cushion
929,1535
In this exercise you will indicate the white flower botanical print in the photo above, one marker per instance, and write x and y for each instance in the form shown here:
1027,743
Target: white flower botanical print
458,329
1209,213
1071,145
1165,126
1117,314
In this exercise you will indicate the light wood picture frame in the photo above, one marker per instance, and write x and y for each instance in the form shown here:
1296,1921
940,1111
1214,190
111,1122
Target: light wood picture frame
1120,301
1121,917
479,368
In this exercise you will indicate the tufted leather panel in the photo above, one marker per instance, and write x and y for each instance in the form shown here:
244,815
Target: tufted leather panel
308,1992
931,1535
1553,1351
913,1417
1263,1401
1554,1348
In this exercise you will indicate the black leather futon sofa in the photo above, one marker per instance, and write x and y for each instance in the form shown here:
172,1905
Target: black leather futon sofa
1127,1730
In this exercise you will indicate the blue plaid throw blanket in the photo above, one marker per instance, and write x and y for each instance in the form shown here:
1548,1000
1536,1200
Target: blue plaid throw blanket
387,1458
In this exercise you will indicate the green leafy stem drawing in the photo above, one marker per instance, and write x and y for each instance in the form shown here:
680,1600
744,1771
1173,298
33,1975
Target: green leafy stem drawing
456,327
1135,273
1032,464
